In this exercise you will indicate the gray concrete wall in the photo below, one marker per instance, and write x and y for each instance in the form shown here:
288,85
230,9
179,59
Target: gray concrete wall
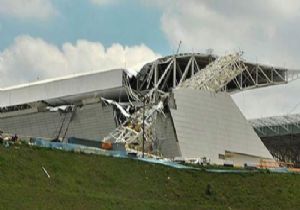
90,122
165,133
208,124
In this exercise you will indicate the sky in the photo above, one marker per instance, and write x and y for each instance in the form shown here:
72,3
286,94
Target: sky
42,39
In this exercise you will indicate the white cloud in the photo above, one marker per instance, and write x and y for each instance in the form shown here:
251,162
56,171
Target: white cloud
267,31
27,8
260,28
31,58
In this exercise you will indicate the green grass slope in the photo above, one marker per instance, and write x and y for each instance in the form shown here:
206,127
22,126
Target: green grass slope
81,181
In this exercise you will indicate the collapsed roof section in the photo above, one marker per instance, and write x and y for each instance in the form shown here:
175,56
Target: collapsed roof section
196,123
225,128
216,75
168,72
163,74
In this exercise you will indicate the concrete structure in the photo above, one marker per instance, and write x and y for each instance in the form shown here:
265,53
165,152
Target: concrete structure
93,121
167,142
185,99
212,125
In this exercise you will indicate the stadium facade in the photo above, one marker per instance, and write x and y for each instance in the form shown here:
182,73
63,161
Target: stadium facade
179,106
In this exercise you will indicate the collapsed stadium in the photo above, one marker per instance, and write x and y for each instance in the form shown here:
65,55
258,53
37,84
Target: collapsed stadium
176,107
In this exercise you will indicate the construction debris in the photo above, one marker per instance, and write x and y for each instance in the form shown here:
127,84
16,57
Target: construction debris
137,131
138,127
106,145
151,96
7,139
46,172
122,110
217,74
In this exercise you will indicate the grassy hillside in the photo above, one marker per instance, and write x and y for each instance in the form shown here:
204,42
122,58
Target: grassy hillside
81,181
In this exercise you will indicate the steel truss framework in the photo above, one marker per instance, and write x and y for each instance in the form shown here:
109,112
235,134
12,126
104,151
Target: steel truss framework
281,135
277,126
169,72
216,75
284,148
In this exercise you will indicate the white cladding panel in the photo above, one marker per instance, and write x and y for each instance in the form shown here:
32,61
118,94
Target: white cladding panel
60,88
208,124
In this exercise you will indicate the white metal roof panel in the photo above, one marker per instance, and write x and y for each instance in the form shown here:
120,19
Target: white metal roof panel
65,88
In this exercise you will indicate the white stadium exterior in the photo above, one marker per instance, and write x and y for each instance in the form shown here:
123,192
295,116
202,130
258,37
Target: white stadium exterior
186,99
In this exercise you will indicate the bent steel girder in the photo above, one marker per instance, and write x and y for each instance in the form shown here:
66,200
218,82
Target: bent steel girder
184,66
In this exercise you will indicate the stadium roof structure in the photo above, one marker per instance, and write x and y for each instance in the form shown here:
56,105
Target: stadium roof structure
277,125
163,74
170,71
176,106
66,90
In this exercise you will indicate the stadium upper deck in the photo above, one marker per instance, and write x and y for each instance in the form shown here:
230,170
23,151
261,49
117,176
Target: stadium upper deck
165,73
